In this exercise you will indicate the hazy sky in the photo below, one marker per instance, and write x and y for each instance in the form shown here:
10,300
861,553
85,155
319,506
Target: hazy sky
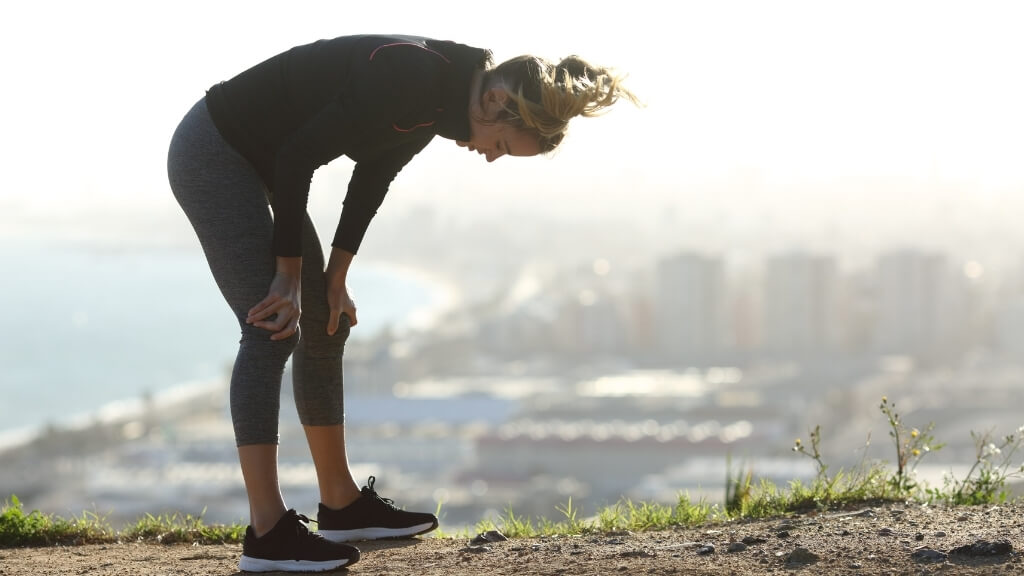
827,117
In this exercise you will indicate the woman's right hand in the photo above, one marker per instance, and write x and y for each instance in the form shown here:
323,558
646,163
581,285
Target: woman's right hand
279,312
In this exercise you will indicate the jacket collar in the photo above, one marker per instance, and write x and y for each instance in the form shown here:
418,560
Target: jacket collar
453,121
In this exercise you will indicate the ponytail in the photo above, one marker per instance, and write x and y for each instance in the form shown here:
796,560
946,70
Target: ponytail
544,97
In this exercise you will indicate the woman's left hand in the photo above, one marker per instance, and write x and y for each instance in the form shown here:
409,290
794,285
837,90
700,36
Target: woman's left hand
340,303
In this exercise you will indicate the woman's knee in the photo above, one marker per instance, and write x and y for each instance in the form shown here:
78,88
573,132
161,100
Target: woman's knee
259,337
319,344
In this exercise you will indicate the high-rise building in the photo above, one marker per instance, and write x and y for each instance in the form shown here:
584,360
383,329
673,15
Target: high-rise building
921,306
800,313
690,307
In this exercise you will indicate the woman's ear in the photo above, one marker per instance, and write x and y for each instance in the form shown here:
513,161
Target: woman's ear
494,101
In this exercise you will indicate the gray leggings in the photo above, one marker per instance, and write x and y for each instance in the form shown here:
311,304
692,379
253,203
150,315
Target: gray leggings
226,202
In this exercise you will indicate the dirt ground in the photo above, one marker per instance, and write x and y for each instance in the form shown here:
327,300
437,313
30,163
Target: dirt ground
878,540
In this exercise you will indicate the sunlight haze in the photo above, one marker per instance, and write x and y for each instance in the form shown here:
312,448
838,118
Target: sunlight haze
854,114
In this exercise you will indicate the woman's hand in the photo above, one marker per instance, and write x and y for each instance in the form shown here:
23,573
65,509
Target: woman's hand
337,290
340,303
279,312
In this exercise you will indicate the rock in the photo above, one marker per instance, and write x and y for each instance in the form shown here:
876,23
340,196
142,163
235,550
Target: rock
749,540
486,537
940,534
706,549
885,532
476,549
919,536
782,534
926,554
983,548
866,513
736,547
802,555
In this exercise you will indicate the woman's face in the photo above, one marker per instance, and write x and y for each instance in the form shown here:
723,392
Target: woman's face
496,139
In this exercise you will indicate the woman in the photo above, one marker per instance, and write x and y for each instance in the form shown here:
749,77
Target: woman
257,138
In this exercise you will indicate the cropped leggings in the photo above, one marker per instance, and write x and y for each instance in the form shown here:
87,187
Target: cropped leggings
226,202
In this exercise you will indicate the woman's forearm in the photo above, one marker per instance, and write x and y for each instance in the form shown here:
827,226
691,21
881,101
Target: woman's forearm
289,266
337,266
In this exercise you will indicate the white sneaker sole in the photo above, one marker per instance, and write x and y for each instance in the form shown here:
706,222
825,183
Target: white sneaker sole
247,564
375,533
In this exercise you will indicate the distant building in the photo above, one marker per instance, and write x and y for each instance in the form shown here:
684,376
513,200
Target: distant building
800,314
691,303
921,307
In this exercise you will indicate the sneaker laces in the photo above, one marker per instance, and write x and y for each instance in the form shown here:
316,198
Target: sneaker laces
302,528
369,491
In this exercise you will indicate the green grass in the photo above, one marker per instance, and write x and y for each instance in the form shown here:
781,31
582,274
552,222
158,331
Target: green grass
747,497
18,528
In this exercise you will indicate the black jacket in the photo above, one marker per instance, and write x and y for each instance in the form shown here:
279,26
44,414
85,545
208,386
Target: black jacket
376,99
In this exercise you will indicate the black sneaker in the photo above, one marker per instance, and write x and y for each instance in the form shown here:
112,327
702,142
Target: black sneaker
291,547
372,518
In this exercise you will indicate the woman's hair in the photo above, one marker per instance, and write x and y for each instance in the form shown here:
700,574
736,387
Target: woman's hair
544,97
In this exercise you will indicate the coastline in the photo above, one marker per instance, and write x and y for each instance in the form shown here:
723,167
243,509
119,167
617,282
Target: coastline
114,348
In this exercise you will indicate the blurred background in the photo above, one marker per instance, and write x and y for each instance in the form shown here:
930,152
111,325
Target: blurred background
819,205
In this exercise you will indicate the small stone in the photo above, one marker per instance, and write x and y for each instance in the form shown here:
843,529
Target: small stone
615,541
749,540
983,548
706,549
926,554
535,547
885,532
919,536
623,568
488,537
845,533
782,534
802,555
963,518
476,549
736,547
866,513
855,565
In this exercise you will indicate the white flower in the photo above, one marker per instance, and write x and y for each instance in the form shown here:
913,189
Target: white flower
990,450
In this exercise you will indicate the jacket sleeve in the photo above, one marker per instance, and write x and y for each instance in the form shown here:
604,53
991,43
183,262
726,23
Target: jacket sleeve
327,135
366,190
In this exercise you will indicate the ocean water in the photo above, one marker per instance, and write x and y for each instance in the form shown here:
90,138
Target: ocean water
85,327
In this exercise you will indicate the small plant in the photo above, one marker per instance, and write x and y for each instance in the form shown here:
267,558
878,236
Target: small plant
738,487
177,527
815,453
573,525
985,482
911,446
37,529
